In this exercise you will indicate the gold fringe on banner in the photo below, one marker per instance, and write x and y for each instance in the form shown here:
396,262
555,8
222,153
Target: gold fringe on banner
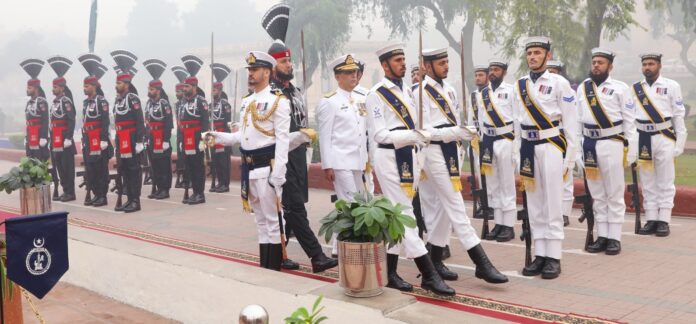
486,169
456,183
645,165
625,157
246,207
527,184
408,189
592,173
475,147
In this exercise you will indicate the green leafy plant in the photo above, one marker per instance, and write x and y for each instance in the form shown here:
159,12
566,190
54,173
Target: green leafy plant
302,315
367,219
30,173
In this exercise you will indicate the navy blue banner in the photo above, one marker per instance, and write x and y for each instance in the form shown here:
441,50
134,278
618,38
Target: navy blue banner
37,251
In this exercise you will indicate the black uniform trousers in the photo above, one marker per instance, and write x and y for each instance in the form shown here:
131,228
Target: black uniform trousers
195,169
161,168
295,194
42,153
132,174
222,166
97,175
64,163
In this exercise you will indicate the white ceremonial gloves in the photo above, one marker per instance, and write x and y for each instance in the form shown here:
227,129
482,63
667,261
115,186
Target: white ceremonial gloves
632,154
67,142
139,147
679,147
297,139
467,133
402,138
201,146
165,146
223,138
42,142
579,161
103,145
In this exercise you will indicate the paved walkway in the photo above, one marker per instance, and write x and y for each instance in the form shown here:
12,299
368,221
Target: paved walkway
70,304
651,281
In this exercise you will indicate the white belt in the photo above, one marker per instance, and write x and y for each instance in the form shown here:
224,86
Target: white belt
602,132
538,135
495,131
654,127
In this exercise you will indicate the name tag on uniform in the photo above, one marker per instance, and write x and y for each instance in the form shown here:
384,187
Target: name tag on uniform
344,107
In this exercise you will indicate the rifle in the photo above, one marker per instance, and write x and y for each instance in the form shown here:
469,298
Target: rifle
587,212
85,175
526,235
145,162
54,177
635,196
487,211
118,185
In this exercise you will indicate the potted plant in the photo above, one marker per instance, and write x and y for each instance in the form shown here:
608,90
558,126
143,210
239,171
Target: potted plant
363,227
302,315
33,180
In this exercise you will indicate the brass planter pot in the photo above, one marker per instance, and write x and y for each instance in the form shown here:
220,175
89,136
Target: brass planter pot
35,200
362,268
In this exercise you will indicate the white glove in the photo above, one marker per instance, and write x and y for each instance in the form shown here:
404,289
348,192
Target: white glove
276,181
297,139
235,126
103,145
201,146
632,154
467,133
42,142
580,164
423,138
568,164
67,143
516,156
139,147
679,147
165,146
181,147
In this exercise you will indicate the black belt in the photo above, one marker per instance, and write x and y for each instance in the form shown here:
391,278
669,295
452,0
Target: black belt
258,158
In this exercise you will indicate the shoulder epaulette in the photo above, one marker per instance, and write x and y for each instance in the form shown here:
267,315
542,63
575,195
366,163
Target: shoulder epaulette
330,94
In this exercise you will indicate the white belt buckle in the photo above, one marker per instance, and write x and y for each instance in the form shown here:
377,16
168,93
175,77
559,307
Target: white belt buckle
490,132
650,127
595,133
532,134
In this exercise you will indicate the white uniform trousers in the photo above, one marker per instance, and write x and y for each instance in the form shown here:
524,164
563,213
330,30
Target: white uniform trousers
658,183
608,191
262,198
346,184
568,198
545,200
388,177
502,196
442,207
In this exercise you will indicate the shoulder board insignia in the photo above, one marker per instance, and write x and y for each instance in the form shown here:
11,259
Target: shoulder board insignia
358,92
330,94
248,94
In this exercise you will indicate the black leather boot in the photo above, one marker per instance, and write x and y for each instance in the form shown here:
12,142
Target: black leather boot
649,228
100,201
321,263
566,220
600,245
613,247
134,206
491,236
196,199
484,268
446,253
534,268
289,264
431,280
552,268
506,234
71,197
436,257
263,255
394,280
162,194
662,229
275,256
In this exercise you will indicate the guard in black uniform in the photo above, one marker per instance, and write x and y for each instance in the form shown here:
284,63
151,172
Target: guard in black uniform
181,75
62,128
194,121
295,189
130,129
158,115
221,115
96,146
36,113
